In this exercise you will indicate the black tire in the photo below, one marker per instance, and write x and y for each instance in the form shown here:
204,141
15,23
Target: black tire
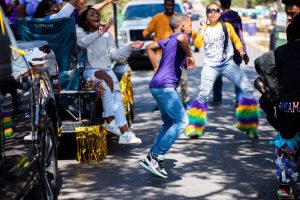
48,161
131,112
93,109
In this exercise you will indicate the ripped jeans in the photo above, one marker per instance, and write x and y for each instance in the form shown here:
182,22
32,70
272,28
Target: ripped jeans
112,101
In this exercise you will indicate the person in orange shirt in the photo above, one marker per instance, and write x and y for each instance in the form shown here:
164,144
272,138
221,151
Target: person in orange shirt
159,25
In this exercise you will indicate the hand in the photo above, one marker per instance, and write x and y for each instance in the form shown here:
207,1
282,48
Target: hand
245,58
190,63
104,28
137,44
203,25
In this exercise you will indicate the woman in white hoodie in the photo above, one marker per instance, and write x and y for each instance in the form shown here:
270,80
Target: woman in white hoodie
100,50
218,38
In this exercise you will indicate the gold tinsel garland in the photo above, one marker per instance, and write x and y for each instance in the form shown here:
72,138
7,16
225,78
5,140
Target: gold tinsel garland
126,90
91,143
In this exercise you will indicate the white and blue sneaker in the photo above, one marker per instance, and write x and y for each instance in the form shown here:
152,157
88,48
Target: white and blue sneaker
129,138
113,128
155,165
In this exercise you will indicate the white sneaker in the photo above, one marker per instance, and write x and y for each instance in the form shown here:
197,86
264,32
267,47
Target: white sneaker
29,137
129,138
113,128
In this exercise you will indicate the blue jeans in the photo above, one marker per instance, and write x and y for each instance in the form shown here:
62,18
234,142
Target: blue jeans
174,118
217,91
231,71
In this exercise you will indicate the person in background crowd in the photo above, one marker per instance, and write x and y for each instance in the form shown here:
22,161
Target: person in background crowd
100,49
234,19
188,7
218,38
287,140
49,9
27,8
292,8
10,10
176,55
160,26
81,6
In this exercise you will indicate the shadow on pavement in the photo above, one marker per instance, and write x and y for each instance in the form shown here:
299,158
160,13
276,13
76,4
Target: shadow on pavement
224,164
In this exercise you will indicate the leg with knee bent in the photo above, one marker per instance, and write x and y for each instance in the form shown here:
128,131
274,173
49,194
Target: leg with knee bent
247,112
198,110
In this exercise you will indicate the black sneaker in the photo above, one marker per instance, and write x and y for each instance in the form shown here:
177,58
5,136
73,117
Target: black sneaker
155,165
145,165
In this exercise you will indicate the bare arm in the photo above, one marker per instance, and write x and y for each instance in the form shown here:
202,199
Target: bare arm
184,44
98,6
150,49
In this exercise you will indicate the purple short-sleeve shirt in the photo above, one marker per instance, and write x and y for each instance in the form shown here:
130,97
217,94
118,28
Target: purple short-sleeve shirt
171,63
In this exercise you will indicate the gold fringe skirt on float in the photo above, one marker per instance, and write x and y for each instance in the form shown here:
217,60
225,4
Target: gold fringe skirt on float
126,90
91,143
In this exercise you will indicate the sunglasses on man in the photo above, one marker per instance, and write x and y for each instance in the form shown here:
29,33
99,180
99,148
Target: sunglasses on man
212,10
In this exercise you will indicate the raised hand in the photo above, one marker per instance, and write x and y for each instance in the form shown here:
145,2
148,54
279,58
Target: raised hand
137,44
203,25
104,28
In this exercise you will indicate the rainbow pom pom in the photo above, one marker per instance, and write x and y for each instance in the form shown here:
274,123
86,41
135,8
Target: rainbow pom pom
197,119
247,115
7,124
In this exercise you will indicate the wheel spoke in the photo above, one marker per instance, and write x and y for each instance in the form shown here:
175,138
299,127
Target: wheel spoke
48,187
48,149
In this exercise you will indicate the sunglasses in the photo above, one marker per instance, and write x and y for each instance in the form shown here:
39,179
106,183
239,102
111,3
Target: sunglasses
212,10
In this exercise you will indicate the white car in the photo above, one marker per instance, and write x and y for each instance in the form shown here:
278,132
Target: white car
136,16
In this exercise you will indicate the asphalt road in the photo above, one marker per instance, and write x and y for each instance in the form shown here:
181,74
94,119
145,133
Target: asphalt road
223,164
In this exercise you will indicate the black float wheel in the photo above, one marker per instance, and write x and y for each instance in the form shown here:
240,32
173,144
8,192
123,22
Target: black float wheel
48,161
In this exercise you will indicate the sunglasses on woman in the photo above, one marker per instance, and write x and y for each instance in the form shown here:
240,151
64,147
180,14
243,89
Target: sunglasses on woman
212,10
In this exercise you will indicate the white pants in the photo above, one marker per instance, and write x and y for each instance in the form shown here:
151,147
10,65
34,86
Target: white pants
112,101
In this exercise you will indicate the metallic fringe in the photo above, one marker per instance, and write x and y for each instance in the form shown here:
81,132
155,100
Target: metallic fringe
91,143
197,119
247,115
126,90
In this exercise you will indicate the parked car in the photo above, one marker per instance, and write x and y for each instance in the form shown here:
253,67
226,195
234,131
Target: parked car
29,123
136,17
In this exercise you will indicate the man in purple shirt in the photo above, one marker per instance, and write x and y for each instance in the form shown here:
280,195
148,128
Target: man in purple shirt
176,54
234,19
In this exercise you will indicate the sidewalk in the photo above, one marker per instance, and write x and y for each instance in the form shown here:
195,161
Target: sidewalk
259,41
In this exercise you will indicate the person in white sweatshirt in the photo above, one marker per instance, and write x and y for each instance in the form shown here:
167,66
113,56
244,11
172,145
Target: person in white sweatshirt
218,38
100,50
